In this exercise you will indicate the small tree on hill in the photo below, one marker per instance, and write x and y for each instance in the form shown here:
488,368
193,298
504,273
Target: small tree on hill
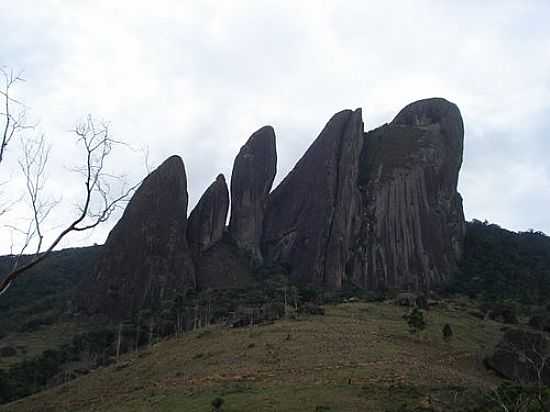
447,332
217,405
416,321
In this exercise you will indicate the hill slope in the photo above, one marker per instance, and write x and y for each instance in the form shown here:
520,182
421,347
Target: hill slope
359,356
502,265
45,291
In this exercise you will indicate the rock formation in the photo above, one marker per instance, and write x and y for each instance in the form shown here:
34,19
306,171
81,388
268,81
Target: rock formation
218,261
521,356
253,174
223,266
310,217
379,209
146,256
207,220
412,224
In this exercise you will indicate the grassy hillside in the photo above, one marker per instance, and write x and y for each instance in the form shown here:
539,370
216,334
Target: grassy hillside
293,364
359,356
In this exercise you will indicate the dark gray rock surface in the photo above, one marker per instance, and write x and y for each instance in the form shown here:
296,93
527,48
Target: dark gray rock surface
310,216
253,174
223,266
206,222
379,209
412,223
521,355
146,257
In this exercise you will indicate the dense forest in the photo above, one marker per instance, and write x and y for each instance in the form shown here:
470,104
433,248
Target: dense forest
500,265
46,290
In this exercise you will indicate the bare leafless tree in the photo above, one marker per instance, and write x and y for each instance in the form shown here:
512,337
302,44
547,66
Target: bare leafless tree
103,192
12,123
521,402
33,167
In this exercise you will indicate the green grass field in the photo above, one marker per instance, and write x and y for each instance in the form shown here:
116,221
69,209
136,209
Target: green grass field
358,357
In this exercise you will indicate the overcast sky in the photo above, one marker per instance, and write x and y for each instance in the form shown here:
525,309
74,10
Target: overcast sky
196,78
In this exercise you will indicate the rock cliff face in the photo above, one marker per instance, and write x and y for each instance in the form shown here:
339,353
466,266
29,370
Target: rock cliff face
207,220
146,256
378,209
253,174
310,217
412,224
223,266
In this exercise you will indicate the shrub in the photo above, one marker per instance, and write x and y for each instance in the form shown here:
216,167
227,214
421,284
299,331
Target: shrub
217,404
447,332
7,351
422,302
415,320
313,309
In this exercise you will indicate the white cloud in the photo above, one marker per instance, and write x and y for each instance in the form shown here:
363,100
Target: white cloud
197,78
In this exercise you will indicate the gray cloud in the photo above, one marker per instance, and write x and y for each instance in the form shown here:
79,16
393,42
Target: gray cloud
197,78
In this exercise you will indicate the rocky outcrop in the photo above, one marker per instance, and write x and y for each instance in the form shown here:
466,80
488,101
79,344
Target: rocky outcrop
412,223
311,215
521,356
207,220
379,209
223,266
146,257
253,174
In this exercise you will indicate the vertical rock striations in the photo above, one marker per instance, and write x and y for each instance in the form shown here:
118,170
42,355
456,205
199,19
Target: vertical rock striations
379,209
207,220
253,174
412,224
146,257
310,217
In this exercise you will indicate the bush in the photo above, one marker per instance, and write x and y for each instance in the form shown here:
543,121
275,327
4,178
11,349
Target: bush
500,312
416,321
540,322
35,324
217,404
422,302
7,351
312,309
447,332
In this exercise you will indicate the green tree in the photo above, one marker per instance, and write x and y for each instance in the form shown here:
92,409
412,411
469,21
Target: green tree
447,332
217,405
416,321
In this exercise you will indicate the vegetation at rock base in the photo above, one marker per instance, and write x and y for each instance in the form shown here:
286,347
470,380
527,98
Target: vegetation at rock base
447,332
358,356
47,292
52,346
500,265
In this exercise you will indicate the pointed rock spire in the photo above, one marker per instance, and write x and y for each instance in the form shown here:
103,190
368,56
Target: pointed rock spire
253,174
146,257
309,217
207,220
